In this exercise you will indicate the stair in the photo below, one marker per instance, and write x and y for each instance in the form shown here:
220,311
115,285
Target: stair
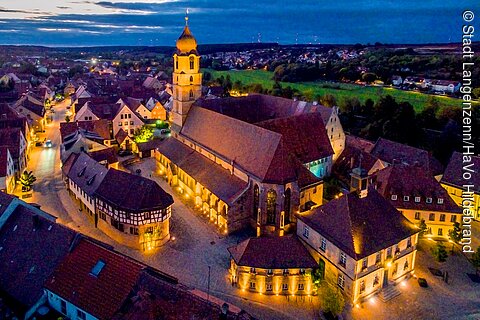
389,293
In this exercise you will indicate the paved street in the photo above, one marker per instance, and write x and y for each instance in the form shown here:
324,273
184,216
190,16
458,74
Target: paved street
197,247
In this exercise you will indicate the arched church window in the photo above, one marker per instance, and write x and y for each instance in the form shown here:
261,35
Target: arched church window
271,206
192,63
286,205
256,199
191,94
176,64
191,78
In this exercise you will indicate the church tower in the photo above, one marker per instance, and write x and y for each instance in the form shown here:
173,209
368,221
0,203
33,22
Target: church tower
187,79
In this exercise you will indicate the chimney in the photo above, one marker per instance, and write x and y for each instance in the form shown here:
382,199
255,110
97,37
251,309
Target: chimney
224,313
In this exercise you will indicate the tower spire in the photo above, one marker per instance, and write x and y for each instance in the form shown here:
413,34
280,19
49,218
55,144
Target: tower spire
186,18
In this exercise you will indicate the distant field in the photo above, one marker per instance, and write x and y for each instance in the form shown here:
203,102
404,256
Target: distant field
312,89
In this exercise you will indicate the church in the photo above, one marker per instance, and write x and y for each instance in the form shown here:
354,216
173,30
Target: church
252,161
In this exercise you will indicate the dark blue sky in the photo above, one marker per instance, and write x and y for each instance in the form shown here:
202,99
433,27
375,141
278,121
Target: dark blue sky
159,22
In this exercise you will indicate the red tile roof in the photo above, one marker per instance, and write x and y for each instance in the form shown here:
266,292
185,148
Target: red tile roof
303,135
259,107
30,252
100,127
413,181
285,252
107,154
210,174
132,192
391,151
454,172
359,226
103,295
176,301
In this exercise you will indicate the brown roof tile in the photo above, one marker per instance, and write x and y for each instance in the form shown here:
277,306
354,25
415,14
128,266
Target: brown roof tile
31,249
453,174
359,226
413,181
272,253
132,192
101,295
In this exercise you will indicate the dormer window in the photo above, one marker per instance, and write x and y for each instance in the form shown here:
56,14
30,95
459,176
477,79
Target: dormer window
417,199
90,181
429,200
252,270
440,201
394,197
406,198
82,172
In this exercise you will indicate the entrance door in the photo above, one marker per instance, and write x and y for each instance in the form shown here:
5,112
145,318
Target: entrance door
385,279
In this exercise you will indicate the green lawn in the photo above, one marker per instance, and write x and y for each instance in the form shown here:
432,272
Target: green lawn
312,89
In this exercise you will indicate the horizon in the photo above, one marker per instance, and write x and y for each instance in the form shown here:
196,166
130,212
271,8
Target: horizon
70,23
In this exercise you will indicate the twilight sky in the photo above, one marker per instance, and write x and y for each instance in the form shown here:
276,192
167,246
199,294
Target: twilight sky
159,22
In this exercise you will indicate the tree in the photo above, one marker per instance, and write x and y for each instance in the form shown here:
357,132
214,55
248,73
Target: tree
456,233
143,134
26,180
328,100
423,227
440,252
476,93
332,301
369,77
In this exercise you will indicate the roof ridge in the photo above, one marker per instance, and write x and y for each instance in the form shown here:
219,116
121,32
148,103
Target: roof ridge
350,222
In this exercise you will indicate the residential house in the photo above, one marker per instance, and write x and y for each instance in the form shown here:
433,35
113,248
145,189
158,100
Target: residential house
7,171
418,196
446,86
92,282
127,118
456,186
81,141
391,152
361,242
33,244
273,265
131,209
33,109
17,145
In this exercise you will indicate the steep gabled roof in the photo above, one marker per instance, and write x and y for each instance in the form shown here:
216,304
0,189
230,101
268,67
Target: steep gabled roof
87,173
132,192
272,253
32,246
453,174
391,151
359,226
413,181
101,289
249,146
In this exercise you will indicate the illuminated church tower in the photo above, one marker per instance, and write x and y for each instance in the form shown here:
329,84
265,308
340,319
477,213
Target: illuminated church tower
187,79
